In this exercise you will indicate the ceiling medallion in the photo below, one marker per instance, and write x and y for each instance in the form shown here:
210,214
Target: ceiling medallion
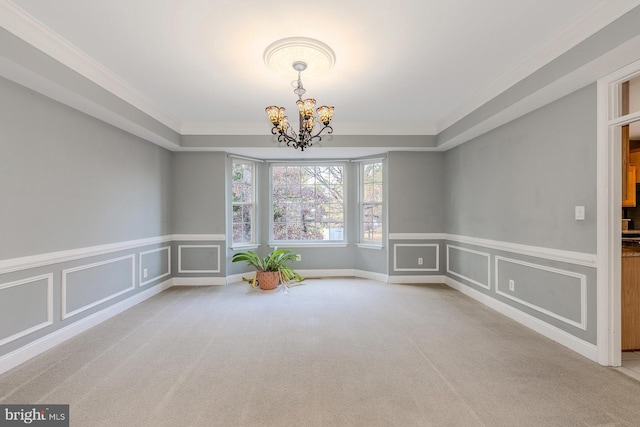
301,54
281,54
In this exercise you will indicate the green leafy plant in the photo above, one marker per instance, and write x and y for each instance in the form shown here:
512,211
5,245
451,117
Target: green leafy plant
275,261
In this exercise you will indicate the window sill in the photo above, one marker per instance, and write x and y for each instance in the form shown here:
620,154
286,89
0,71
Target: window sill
244,247
308,245
369,246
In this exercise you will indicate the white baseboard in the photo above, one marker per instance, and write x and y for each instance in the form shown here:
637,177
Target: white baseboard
235,278
21,355
581,347
436,278
380,277
315,274
199,281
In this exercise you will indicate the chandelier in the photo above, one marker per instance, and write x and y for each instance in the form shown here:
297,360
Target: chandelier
300,53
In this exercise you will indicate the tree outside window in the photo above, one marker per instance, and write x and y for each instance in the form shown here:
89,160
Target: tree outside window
308,202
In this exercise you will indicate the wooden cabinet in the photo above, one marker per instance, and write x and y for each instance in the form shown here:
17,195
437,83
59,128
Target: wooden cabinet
629,198
630,303
634,159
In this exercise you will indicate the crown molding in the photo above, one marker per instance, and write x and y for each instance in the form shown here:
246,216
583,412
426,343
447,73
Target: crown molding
225,128
262,128
388,128
26,27
599,16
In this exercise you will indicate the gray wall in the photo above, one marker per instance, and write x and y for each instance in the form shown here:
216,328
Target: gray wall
70,181
521,182
199,207
416,192
198,192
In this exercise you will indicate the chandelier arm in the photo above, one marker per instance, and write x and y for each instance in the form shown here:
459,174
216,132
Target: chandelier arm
329,132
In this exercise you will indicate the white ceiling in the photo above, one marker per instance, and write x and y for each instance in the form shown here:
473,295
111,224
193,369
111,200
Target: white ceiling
408,67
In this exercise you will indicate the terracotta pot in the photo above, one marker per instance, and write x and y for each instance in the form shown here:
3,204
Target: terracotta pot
268,279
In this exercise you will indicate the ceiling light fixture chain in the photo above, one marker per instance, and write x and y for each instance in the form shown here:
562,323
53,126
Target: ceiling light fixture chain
305,137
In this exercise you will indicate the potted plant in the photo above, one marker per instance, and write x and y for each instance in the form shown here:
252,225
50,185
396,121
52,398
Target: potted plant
272,269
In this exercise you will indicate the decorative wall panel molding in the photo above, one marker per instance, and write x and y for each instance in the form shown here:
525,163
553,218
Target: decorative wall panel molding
581,283
487,284
182,269
48,315
70,271
141,264
434,263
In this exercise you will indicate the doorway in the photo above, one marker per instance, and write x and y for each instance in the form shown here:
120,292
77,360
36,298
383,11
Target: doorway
614,120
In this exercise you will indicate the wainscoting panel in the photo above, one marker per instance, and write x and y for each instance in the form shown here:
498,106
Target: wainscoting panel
154,264
470,265
554,292
26,306
50,297
86,286
416,257
198,258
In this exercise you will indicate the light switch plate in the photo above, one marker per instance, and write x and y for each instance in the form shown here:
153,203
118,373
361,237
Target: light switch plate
579,213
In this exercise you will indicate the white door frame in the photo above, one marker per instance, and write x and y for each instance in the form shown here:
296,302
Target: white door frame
609,202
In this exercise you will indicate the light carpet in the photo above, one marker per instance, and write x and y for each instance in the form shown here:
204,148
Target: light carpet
333,352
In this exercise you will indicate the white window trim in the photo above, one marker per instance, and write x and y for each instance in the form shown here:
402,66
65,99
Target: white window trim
370,246
308,244
345,195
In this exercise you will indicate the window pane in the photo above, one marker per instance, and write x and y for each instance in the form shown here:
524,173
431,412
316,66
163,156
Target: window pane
237,233
377,193
630,96
307,194
373,232
368,193
308,176
279,213
246,229
242,188
247,213
305,199
293,213
237,214
335,231
236,196
371,195
294,231
280,232
336,193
